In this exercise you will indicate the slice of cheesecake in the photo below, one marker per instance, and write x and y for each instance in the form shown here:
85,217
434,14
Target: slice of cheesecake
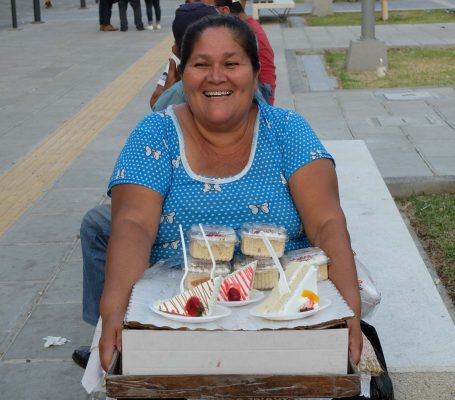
303,294
196,302
237,286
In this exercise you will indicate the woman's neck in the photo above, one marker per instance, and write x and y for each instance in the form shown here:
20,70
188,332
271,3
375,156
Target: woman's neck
225,140
217,153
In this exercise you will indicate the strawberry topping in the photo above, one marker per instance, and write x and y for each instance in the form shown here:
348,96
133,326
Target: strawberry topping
194,307
233,294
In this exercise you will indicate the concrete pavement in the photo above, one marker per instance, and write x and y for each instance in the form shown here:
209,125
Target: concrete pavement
51,74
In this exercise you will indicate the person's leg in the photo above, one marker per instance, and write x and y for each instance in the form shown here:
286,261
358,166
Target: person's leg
107,13
136,4
95,233
156,6
102,13
148,7
122,5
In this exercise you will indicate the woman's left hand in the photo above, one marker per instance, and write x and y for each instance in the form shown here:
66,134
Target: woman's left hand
355,340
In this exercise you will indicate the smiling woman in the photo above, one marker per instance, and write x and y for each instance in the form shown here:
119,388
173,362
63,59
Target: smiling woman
219,159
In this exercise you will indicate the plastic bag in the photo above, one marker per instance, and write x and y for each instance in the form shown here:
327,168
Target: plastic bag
381,387
369,294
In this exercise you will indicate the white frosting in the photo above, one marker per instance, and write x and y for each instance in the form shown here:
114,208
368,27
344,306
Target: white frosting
298,278
309,282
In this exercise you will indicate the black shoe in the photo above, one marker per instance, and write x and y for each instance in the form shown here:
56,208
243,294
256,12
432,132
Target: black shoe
140,28
123,29
81,355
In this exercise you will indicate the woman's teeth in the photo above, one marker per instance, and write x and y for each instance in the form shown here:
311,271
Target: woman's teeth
218,93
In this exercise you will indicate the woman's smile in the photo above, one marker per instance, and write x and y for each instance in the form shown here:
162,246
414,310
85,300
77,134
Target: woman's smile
217,93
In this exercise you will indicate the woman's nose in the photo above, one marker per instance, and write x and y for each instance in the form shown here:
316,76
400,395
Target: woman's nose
217,73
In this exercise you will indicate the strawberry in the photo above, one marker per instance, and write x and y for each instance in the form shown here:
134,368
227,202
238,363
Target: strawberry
233,294
194,307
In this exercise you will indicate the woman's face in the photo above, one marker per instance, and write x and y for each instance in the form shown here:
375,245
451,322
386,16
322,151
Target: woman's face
218,79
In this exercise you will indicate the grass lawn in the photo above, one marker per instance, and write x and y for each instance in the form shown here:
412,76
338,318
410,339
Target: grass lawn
395,17
433,219
408,67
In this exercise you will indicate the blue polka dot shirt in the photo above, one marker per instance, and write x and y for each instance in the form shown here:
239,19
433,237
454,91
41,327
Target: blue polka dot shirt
154,157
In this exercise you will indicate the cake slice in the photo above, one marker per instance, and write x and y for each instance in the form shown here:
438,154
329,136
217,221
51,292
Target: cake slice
196,302
237,286
303,294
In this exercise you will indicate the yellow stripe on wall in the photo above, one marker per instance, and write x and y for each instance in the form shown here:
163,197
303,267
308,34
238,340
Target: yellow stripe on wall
31,176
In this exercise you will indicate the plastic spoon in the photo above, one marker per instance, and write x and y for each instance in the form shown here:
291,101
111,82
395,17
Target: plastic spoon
283,286
212,272
185,260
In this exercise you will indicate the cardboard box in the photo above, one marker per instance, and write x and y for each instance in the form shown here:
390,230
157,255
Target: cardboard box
282,352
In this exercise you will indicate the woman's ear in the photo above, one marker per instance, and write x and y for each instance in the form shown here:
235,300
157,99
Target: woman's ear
224,10
175,50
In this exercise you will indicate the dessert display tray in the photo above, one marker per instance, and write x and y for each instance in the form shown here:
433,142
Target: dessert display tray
163,282
236,356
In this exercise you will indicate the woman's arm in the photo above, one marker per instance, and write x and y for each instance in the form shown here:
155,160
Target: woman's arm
136,212
314,189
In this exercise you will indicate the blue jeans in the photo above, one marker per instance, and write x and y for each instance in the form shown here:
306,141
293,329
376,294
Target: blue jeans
136,6
95,233
105,11
156,6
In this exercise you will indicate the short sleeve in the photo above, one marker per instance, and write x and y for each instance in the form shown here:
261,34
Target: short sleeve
299,143
145,159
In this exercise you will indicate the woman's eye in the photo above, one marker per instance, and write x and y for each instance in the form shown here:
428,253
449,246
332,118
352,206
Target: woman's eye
231,64
201,65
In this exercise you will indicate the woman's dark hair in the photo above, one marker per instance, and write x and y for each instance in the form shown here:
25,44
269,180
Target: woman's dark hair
241,32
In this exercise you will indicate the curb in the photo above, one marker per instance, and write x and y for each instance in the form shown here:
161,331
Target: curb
409,186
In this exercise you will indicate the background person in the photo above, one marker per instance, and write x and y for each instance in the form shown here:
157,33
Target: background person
122,8
185,15
267,75
156,6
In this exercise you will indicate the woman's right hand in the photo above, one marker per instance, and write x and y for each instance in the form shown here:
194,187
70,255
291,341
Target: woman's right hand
111,338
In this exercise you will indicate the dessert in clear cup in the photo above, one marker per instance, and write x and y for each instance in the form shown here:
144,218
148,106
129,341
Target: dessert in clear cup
199,271
303,294
238,284
196,302
252,243
308,256
222,240
266,274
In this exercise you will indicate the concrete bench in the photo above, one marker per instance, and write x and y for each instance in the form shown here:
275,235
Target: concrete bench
273,6
414,325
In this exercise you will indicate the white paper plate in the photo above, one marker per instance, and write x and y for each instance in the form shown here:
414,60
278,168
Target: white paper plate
290,317
255,296
218,313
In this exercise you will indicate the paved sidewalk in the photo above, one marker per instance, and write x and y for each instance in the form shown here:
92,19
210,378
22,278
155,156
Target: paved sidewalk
53,73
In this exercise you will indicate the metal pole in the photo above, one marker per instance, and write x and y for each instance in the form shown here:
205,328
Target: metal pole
368,19
13,13
83,5
36,10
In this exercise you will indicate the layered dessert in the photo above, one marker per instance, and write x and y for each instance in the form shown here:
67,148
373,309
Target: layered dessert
266,274
222,240
308,256
252,243
303,294
237,285
199,271
196,302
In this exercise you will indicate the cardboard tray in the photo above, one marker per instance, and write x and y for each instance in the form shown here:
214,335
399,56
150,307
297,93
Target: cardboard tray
229,386
142,328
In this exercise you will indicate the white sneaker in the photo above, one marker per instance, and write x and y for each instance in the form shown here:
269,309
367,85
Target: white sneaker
149,27
158,26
